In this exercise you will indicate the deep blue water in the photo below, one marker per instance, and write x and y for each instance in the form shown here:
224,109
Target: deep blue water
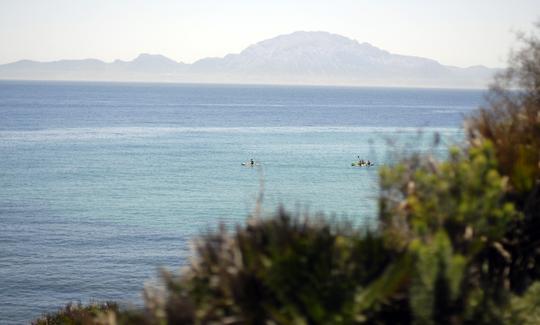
102,183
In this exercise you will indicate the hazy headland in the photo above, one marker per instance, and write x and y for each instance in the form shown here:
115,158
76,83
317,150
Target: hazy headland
299,58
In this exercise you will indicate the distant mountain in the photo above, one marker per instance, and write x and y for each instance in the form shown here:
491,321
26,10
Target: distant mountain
298,58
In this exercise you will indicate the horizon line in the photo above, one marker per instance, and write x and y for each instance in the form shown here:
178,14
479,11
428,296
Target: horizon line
233,84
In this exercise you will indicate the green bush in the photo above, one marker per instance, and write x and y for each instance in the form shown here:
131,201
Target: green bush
78,314
282,269
511,122
94,314
450,218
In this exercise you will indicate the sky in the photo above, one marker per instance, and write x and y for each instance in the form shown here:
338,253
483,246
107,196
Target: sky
459,32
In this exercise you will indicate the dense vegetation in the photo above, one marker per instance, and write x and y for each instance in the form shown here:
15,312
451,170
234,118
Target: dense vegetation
458,242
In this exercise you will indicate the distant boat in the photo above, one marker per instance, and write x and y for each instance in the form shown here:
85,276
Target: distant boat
362,164
250,163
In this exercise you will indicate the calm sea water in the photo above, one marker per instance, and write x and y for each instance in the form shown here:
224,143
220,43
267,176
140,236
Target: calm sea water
102,183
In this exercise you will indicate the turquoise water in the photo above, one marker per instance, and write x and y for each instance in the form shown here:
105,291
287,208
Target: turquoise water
101,184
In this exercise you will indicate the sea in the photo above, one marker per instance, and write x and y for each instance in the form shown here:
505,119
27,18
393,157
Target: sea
103,184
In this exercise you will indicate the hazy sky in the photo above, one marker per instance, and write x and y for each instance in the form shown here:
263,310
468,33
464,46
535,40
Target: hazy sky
458,32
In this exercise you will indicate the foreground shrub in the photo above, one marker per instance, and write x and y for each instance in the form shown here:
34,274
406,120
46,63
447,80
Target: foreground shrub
511,122
449,218
525,309
282,270
78,314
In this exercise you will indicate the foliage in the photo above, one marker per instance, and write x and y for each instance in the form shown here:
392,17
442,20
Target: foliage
448,218
283,270
511,121
525,310
79,314
464,194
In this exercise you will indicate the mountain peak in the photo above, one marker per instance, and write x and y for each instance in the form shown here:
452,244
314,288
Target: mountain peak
316,42
300,38
314,35
152,58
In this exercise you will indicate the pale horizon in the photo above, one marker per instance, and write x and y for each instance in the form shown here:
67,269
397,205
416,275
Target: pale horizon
459,34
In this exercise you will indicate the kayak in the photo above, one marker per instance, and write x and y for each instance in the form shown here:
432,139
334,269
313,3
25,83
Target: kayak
357,164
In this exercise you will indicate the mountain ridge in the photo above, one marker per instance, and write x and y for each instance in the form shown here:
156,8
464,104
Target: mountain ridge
302,57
